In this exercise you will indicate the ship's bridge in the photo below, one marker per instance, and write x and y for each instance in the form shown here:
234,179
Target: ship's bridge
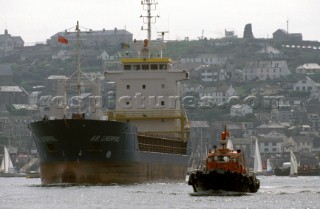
136,64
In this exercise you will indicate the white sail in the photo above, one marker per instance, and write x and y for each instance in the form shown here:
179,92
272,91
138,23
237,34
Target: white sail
2,165
293,164
257,159
230,144
6,164
269,167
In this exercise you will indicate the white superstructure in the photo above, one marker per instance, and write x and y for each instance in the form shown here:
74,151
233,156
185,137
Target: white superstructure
147,94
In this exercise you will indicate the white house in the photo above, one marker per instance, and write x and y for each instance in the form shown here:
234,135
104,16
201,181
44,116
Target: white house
9,43
303,143
207,59
213,75
283,113
265,70
307,85
240,110
218,94
192,88
308,68
272,142
268,51
104,56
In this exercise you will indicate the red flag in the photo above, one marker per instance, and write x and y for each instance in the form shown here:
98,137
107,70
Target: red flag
62,40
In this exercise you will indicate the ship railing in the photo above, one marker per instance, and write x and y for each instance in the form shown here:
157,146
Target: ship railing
151,114
169,135
154,143
162,148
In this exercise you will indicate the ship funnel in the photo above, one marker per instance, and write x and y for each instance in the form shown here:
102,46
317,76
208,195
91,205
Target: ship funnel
224,136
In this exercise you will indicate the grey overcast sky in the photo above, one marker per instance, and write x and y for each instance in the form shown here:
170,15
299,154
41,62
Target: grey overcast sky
37,20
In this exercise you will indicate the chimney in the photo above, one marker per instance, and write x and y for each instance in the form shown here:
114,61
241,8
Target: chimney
5,32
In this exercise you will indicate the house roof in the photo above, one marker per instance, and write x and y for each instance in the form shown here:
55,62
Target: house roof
25,106
309,66
271,125
56,77
17,38
199,124
302,139
275,134
281,30
268,50
95,33
10,89
234,126
242,141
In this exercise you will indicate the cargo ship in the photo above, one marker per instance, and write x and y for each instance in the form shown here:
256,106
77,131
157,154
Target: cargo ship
143,139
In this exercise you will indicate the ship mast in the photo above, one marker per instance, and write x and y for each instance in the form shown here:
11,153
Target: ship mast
78,65
149,5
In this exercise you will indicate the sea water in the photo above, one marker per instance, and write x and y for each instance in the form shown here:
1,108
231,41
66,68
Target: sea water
275,192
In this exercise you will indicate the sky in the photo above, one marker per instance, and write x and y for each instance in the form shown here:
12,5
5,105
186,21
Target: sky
38,20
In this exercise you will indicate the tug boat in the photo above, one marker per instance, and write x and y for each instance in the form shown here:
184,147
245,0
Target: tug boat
225,169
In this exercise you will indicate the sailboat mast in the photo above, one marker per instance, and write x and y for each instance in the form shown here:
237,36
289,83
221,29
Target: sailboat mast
5,159
78,64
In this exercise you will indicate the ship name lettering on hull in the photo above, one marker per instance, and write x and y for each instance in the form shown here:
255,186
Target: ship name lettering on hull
98,138
48,139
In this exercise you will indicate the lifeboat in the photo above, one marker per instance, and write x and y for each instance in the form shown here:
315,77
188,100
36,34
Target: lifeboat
225,169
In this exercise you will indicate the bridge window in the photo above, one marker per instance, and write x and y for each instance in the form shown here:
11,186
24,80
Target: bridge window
127,67
144,86
145,67
128,86
154,67
163,67
136,67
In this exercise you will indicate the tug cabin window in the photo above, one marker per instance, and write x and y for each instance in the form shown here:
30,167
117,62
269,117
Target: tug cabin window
219,159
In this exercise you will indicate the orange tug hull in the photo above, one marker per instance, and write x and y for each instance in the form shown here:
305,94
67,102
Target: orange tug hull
108,173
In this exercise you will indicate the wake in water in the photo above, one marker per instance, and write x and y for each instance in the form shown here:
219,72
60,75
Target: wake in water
218,193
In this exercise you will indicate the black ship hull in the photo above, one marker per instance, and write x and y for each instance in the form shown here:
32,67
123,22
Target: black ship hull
216,180
102,152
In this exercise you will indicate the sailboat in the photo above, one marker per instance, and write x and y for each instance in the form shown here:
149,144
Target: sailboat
293,165
197,158
269,170
230,144
6,164
257,168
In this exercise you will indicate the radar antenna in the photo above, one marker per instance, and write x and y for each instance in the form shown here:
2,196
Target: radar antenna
149,5
161,33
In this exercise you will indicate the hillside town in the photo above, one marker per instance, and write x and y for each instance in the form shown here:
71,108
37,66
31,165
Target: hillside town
265,89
